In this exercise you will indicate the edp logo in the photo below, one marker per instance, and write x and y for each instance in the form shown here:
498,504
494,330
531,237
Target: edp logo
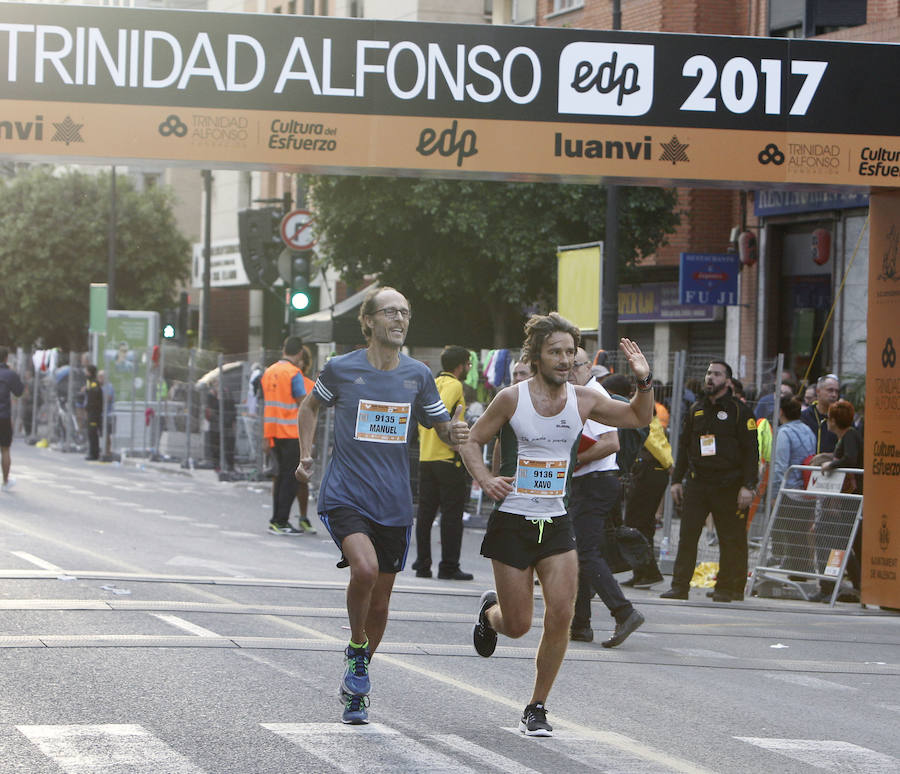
606,79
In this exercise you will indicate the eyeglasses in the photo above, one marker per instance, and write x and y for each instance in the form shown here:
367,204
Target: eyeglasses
393,313
580,365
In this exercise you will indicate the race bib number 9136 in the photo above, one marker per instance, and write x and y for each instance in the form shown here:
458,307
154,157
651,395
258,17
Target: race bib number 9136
541,478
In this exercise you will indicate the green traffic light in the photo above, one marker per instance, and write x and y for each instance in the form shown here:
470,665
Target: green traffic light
299,300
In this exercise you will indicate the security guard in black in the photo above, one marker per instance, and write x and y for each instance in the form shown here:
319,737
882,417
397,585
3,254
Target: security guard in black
718,458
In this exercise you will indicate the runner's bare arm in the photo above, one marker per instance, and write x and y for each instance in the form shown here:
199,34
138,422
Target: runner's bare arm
639,411
498,413
306,425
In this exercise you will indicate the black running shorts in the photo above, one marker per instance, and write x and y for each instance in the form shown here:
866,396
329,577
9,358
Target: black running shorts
514,540
391,543
5,432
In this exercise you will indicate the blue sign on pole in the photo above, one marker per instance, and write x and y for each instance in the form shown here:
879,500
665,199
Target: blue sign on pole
709,278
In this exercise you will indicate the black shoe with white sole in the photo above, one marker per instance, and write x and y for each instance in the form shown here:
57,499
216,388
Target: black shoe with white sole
534,721
483,635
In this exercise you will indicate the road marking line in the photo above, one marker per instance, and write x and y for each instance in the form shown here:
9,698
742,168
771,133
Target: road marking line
598,756
44,565
151,510
699,653
809,682
827,754
616,740
372,747
180,623
87,749
484,756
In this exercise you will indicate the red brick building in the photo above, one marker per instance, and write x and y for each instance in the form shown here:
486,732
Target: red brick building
785,298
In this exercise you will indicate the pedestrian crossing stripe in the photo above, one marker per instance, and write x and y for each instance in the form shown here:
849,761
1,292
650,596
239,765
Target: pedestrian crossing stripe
384,749
93,748
828,755
88,749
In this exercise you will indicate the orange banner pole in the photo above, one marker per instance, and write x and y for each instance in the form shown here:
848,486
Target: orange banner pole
881,518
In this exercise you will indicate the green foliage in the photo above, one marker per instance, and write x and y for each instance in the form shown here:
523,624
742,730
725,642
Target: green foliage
467,244
53,244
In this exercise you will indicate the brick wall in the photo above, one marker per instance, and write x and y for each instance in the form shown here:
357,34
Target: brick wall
708,17
882,32
882,10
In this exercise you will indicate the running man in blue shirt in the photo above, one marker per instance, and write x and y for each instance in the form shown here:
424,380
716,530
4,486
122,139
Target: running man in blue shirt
365,500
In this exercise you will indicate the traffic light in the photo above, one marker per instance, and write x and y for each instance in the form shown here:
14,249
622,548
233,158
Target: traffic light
259,232
183,318
169,327
302,298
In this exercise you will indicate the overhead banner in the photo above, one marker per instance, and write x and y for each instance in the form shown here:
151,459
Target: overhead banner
321,94
880,560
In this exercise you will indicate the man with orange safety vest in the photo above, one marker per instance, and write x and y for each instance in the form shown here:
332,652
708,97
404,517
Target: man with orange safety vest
284,388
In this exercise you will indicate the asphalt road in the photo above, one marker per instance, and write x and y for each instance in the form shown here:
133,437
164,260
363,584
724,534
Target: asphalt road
149,624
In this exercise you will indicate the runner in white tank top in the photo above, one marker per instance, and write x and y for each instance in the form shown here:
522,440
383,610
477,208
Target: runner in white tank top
544,452
530,532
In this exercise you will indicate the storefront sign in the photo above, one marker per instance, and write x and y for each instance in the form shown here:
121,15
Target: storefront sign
322,94
659,302
226,267
774,202
709,278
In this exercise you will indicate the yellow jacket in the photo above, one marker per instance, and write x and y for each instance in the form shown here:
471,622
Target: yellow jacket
658,445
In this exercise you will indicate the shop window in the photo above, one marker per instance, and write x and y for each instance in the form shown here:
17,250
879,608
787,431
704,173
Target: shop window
524,11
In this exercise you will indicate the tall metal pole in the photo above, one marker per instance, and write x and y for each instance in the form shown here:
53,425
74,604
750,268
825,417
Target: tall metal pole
111,246
207,259
609,314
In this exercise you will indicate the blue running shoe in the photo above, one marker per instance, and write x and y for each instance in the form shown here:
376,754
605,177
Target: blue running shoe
356,676
355,711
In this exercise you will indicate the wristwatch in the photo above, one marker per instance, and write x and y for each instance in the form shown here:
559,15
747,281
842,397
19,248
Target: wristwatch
646,384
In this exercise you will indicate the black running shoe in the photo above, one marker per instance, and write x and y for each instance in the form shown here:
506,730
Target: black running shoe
534,721
287,529
483,635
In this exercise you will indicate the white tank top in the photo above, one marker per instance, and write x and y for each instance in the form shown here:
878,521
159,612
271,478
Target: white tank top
544,455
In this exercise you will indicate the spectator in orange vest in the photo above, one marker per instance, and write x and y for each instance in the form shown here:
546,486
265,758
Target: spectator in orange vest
283,389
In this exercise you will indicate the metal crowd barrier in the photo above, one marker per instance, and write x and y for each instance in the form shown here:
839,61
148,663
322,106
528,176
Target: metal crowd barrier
810,534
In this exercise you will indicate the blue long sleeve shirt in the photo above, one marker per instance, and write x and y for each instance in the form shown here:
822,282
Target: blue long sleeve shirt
794,442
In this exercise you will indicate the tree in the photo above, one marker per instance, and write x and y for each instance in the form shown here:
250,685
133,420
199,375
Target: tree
53,244
480,251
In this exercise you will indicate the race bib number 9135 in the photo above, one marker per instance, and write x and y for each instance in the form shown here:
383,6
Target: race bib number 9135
382,422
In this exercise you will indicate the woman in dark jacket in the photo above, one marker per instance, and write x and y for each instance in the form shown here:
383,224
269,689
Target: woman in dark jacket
833,535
